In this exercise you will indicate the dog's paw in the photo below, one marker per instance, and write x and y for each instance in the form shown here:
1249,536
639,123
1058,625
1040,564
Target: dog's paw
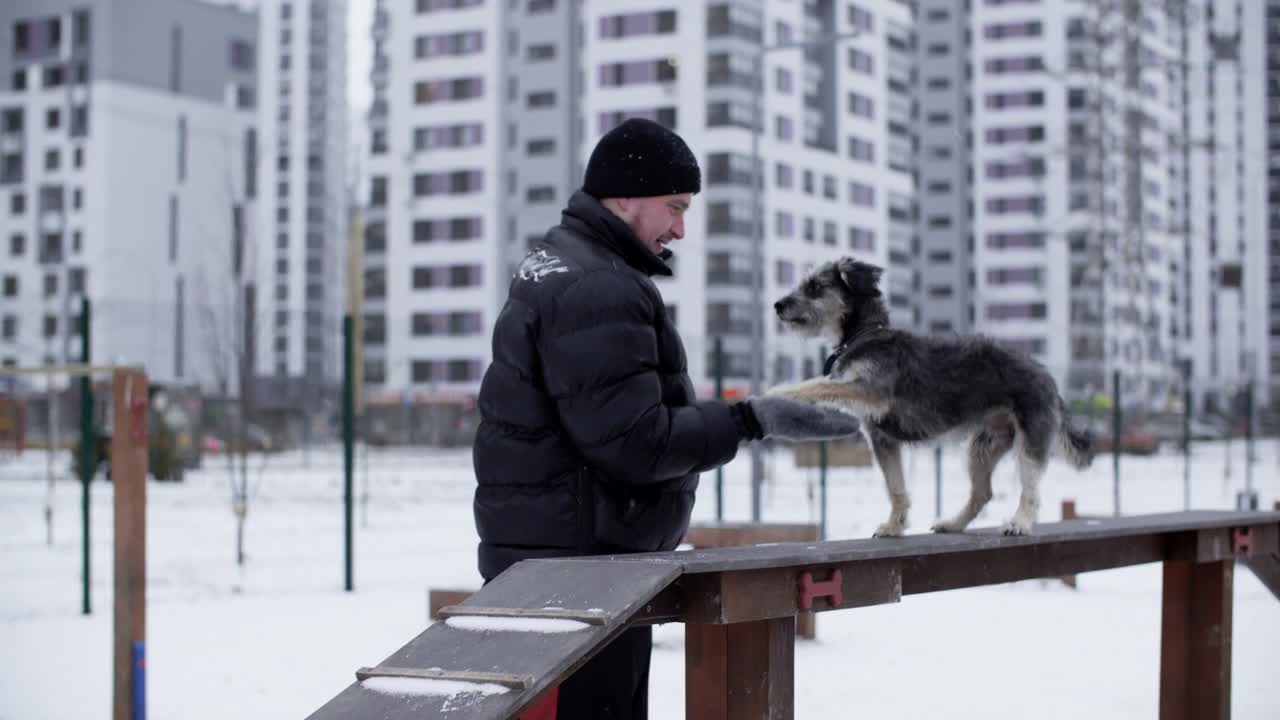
1016,526
889,529
948,526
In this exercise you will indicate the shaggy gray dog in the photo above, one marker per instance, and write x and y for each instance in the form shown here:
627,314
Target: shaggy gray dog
907,389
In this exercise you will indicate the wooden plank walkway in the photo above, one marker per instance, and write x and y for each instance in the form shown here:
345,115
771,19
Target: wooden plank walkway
739,605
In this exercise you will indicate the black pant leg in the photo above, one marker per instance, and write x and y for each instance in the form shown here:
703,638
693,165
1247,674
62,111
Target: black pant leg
614,684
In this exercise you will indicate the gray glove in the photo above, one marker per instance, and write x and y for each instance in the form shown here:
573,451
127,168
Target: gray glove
786,419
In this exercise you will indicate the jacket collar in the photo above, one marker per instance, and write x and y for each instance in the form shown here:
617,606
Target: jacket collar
587,216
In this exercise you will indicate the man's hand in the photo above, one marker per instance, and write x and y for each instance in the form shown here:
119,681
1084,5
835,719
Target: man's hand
786,419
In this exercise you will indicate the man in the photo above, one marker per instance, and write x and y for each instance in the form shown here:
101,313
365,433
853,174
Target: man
591,438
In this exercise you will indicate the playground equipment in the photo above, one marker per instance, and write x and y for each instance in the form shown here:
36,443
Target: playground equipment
128,460
739,607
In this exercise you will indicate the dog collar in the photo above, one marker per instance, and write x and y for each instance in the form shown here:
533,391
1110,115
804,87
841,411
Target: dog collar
830,363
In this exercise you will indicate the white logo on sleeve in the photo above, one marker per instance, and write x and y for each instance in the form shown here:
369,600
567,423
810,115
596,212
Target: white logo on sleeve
539,264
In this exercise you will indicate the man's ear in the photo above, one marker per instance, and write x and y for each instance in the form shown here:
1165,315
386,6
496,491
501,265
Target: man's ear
861,278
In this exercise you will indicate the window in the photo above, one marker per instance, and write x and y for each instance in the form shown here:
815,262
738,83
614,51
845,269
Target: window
936,49
860,61
51,160
241,55
783,176
17,245
11,286
861,194
938,83
784,128
1015,240
1002,65
17,204
426,92
12,120
861,105
863,239
784,224
19,80
52,119
1016,311
860,18
636,72
1015,204
50,285
540,146
783,81
54,76
540,194
1021,99
1014,276
543,99
448,44
456,182
860,149
540,53
448,136
9,329
1027,133
997,31
662,22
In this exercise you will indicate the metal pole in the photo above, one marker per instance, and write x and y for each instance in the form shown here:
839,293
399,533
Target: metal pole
348,438
757,354
1248,441
937,481
757,270
822,471
1115,435
718,370
86,449
1186,436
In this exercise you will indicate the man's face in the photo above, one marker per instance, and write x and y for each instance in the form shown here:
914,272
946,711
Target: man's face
657,221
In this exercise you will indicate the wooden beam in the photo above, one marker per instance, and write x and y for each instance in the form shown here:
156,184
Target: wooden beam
743,671
746,595
507,680
129,486
1195,641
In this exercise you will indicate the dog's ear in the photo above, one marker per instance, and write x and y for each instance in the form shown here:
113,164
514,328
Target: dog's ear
861,278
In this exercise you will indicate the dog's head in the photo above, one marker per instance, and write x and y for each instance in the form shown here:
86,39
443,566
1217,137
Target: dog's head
836,300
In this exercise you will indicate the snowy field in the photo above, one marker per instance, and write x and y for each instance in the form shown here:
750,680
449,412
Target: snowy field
279,637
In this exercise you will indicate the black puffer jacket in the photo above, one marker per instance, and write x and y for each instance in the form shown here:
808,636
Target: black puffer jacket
590,438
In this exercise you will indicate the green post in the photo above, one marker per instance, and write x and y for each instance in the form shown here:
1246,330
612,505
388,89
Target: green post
1186,435
822,470
937,481
718,370
87,449
348,437
1115,437
1248,443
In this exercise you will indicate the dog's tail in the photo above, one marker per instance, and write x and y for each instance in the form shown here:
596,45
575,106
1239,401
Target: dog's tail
1075,444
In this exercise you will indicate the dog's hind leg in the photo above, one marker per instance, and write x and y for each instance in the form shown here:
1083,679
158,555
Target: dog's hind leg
1035,437
985,451
888,454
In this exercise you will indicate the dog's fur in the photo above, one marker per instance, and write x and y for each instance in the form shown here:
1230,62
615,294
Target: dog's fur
907,389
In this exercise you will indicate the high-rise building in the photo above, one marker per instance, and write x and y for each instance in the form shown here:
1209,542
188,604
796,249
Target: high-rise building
126,176
1226,89
302,224
484,114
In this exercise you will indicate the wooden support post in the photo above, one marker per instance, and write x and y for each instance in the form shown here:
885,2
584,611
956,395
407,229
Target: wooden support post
1195,638
1069,513
742,671
129,484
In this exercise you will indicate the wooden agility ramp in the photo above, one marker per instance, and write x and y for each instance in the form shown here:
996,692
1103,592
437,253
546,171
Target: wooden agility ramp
739,607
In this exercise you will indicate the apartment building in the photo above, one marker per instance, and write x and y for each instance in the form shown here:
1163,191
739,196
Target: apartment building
301,217
484,114
127,150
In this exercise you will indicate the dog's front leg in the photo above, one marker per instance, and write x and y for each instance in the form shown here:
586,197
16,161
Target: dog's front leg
847,395
888,454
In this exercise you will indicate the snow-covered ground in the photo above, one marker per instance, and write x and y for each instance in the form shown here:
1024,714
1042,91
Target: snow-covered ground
279,637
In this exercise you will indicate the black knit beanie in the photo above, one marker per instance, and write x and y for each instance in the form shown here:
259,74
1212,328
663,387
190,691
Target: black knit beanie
641,158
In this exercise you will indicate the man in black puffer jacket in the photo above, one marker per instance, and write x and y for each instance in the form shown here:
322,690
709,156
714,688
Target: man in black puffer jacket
591,438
